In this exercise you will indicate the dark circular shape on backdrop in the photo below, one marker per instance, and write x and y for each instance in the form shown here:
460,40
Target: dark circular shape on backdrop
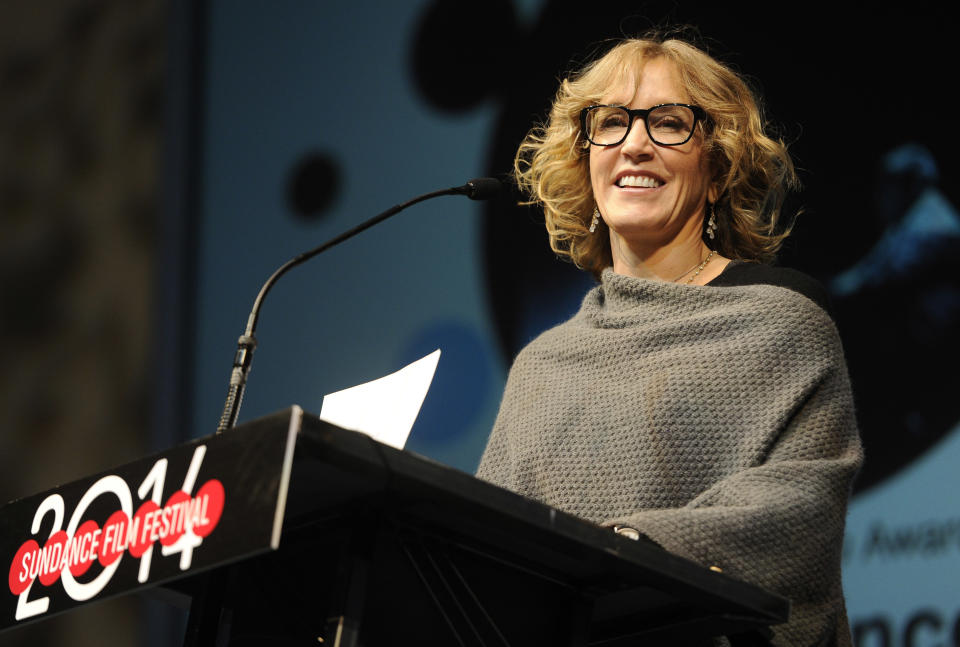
461,51
313,185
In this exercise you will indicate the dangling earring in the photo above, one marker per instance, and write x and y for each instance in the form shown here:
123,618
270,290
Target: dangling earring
596,219
712,223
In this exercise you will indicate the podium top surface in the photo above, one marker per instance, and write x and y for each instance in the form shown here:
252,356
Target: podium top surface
340,468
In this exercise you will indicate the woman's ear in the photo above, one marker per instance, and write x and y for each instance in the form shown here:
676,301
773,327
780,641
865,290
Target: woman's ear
713,193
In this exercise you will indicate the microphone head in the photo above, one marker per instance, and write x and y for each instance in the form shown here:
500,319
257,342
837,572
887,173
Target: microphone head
482,188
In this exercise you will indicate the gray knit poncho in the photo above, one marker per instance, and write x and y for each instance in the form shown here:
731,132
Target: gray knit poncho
718,421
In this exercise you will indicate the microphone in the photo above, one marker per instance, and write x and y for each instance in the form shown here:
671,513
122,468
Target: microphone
481,188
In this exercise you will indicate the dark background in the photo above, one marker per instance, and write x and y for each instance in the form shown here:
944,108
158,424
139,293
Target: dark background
101,150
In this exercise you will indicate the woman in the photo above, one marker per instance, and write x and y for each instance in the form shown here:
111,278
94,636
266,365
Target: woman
700,396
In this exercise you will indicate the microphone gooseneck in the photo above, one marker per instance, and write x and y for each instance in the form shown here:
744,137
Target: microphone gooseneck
477,189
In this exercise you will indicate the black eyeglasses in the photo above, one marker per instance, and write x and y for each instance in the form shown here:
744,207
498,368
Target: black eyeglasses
669,124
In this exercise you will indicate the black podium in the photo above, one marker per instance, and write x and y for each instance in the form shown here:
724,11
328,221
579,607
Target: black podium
291,531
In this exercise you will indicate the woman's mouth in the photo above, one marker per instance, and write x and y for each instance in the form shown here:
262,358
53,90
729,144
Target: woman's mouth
643,181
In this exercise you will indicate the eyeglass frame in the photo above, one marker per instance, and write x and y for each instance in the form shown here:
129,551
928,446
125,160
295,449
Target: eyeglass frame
699,115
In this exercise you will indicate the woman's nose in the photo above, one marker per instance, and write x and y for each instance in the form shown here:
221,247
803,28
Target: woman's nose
638,142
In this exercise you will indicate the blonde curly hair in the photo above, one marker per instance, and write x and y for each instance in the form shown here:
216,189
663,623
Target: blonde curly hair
751,171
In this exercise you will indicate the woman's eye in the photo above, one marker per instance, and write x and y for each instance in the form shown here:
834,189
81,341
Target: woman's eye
613,121
668,123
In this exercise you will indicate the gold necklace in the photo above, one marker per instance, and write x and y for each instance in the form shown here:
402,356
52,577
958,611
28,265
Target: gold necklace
690,269
699,267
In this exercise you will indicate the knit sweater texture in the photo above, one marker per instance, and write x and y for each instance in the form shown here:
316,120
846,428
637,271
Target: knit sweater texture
718,421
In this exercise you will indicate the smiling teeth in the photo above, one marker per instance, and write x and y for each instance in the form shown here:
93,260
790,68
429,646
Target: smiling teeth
639,180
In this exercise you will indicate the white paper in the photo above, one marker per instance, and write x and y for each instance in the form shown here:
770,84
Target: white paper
385,408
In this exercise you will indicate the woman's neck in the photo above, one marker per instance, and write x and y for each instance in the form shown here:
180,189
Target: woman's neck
672,261
685,259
